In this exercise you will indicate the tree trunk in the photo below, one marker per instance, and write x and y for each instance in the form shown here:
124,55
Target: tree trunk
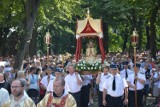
31,8
125,40
11,42
4,41
153,47
106,36
148,37
33,45
133,20
1,39
140,33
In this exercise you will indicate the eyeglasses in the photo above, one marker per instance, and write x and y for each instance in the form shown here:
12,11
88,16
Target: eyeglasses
15,86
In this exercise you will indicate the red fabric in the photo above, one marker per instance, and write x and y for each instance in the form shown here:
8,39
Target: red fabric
102,49
88,29
42,92
153,65
78,49
80,45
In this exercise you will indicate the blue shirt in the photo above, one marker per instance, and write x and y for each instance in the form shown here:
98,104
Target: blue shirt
33,82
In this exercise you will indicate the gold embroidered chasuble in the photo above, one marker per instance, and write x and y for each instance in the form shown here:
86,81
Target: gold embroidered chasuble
68,101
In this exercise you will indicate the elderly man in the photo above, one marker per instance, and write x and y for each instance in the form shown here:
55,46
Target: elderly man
59,98
19,99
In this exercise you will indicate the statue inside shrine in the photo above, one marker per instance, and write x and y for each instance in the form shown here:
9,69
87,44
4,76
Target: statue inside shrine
90,52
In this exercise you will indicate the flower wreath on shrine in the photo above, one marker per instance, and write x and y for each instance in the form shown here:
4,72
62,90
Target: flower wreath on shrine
85,66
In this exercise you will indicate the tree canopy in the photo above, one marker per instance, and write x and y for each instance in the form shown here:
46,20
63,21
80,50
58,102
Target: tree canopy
24,23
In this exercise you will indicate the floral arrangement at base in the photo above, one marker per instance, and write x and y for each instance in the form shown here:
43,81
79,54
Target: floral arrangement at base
82,65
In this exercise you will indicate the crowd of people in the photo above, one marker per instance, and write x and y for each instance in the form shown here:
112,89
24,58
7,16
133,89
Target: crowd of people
54,82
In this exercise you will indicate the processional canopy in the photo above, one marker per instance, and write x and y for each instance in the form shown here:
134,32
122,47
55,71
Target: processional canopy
92,62
89,27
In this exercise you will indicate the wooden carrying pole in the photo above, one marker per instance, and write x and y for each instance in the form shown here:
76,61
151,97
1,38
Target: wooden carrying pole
47,53
134,43
135,75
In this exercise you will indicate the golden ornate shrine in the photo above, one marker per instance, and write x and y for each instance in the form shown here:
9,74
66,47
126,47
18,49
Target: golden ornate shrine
91,28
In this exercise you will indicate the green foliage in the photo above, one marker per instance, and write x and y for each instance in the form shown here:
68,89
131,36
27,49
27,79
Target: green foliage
115,41
11,13
59,17
123,15
158,38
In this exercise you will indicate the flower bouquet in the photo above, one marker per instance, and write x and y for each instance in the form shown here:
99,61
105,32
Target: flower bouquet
88,68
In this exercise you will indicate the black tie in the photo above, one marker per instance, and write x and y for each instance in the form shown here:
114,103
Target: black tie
126,74
135,79
48,78
114,84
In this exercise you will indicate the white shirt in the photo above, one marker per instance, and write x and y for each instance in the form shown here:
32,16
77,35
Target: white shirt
3,63
50,86
4,96
123,72
102,80
159,85
121,84
130,79
155,76
71,83
142,70
44,80
87,79
131,64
